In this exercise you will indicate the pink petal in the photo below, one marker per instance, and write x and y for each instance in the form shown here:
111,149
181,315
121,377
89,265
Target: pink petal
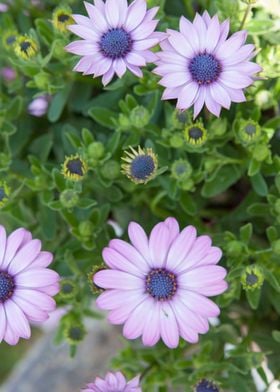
175,79
180,44
213,289
213,34
135,70
117,261
97,17
242,54
173,227
14,242
102,67
190,33
206,17
180,247
135,59
107,77
113,279
140,241
198,105
145,44
113,299
224,30
168,326
17,320
213,257
200,27
52,289
43,260
199,249
135,14
131,254
36,278
246,67
24,257
120,315
220,95
144,30
10,336
84,32
171,93
199,304
82,48
236,95
212,105
149,56
231,45
171,57
3,322
192,319
32,312
37,298
134,325
84,63
83,21
159,244
201,276
112,11
187,95
163,69
235,79
3,238
151,330
185,330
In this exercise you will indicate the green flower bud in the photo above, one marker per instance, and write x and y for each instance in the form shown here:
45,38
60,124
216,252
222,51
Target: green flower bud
68,289
252,278
179,119
195,134
249,131
111,170
276,247
181,170
42,80
74,333
234,248
139,117
96,150
176,141
69,198
260,153
86,228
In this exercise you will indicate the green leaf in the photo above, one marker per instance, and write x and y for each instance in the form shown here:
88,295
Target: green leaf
276,335
188,204
259,184
86,203
259,26
41,146
45,30
254,167
271,278
246,232
224,178
87,136
253,297
58,103
14,109
272,234
103,116
258,209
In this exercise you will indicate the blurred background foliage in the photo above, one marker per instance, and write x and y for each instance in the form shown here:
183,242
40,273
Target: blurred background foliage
227,184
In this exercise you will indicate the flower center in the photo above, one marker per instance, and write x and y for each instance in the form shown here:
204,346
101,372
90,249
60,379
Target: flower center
206,386
24,46
11,39
161,284
142,167
195,133
250,129
251,279
205,68
75,166
116,43
63,18
7,286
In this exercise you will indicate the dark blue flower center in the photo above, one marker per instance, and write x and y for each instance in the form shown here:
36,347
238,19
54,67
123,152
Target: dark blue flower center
206,386
116,43
24,46
2,194
251,279
142,167
161,284
75,166
250,129
205,68
11,39
7,286
195,133
63,18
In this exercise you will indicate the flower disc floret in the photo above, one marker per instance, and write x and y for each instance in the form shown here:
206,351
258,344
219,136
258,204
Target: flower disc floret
200,65
25,47
140,166
206,386
115,37
157,286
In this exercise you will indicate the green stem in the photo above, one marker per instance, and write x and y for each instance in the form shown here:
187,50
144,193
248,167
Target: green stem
248,9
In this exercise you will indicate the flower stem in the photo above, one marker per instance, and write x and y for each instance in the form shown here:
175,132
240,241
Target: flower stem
248,9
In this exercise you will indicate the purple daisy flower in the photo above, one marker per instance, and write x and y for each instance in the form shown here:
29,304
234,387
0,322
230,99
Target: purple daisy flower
158,285
26,285
114,382
199,65
115,37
